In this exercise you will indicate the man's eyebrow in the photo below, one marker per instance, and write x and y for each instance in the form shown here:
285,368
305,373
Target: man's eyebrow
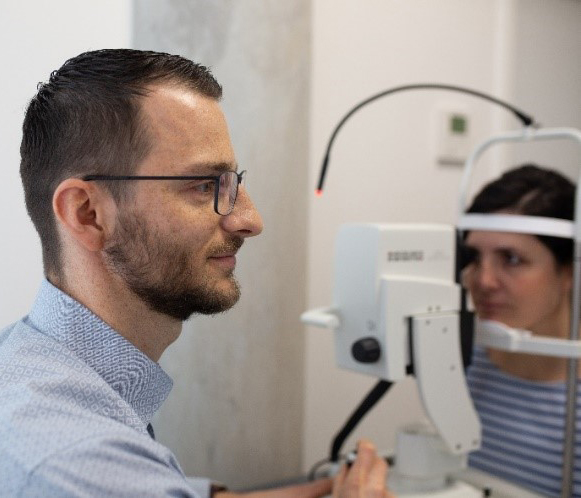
202,169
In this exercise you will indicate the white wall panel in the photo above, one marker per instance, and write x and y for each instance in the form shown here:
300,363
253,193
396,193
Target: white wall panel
36,38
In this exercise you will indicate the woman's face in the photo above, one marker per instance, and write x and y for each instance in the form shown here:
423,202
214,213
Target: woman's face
514,279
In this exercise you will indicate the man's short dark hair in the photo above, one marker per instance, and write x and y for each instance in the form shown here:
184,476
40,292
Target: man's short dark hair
86,119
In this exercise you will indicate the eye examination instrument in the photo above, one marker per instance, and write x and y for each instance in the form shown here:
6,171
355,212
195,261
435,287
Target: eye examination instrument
398,309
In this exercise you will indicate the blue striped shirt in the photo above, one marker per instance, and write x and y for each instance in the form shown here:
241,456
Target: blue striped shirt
522,428
76,400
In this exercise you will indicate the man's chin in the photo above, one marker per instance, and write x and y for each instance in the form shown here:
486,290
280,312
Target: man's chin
218,301
184,308
181,305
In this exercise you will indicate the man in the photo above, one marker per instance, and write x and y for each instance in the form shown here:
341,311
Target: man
132,184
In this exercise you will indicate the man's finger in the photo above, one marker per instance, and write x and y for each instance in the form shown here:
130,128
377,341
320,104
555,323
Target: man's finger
377,477
338,481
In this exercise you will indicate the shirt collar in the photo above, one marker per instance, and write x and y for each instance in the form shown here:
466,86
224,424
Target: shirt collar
134,376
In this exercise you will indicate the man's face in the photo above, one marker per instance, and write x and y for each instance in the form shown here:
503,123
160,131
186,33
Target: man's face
169,245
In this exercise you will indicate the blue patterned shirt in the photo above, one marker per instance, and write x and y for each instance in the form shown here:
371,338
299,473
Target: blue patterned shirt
75,402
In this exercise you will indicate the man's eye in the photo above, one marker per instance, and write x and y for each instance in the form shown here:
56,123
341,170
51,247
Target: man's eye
205,187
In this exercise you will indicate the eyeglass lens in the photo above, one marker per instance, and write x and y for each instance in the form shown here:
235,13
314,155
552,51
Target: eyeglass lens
227,192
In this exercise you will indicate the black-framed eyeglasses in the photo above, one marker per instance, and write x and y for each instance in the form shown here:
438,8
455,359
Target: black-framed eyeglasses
225,186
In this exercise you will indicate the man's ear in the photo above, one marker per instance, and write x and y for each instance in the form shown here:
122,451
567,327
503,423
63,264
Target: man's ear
85,212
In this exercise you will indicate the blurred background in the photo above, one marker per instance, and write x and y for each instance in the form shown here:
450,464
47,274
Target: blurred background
257,397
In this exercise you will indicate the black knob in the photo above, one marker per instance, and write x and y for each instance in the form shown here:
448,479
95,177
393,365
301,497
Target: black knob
366,350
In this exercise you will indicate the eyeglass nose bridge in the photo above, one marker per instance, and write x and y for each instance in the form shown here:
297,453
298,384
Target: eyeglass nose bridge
227,185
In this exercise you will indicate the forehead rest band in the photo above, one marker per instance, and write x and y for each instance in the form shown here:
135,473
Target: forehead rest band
516,223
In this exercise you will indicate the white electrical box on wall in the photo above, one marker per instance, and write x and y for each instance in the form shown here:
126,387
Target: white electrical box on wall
453,141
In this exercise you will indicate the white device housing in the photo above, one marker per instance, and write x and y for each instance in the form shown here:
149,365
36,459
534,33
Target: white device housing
383,275
395,283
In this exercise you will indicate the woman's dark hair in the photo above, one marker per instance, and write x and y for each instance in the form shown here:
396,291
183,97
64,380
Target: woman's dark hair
533,191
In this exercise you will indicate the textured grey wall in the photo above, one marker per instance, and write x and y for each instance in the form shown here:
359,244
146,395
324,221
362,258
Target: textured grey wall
235,413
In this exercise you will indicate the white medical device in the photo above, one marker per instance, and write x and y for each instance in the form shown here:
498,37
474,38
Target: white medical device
396,306
396,309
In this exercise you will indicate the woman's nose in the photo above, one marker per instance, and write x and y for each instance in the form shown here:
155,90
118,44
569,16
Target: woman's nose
481,275
487,275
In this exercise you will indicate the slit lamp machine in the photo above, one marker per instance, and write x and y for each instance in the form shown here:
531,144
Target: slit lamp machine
398,309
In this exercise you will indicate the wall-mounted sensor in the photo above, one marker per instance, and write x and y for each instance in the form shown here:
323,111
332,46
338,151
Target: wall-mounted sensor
453,142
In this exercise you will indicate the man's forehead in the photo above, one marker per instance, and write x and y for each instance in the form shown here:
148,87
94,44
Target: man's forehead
171,90
163,100
208,168
188,134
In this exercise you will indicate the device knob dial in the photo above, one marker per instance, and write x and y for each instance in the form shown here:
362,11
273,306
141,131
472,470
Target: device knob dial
366,350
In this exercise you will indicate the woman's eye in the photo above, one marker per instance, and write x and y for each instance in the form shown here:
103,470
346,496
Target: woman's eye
512,259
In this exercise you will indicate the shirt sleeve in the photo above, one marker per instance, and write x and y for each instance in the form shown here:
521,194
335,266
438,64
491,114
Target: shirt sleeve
103,467
202,486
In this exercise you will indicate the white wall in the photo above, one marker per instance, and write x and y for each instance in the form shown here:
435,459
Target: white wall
546,76
36,38
383,166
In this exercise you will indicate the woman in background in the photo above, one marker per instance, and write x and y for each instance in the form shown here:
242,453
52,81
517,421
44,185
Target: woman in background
523,281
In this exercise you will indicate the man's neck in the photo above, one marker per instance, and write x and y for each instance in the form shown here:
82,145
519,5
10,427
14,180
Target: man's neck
109,298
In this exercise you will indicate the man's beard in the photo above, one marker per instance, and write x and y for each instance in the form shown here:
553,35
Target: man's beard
160,272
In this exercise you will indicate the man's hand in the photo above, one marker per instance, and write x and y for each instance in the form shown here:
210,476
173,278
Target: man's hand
367,477
315,489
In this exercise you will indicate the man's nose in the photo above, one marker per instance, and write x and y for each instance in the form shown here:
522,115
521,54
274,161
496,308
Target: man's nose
244,220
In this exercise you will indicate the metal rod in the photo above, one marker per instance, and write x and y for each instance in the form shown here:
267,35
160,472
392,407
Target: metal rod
569,434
